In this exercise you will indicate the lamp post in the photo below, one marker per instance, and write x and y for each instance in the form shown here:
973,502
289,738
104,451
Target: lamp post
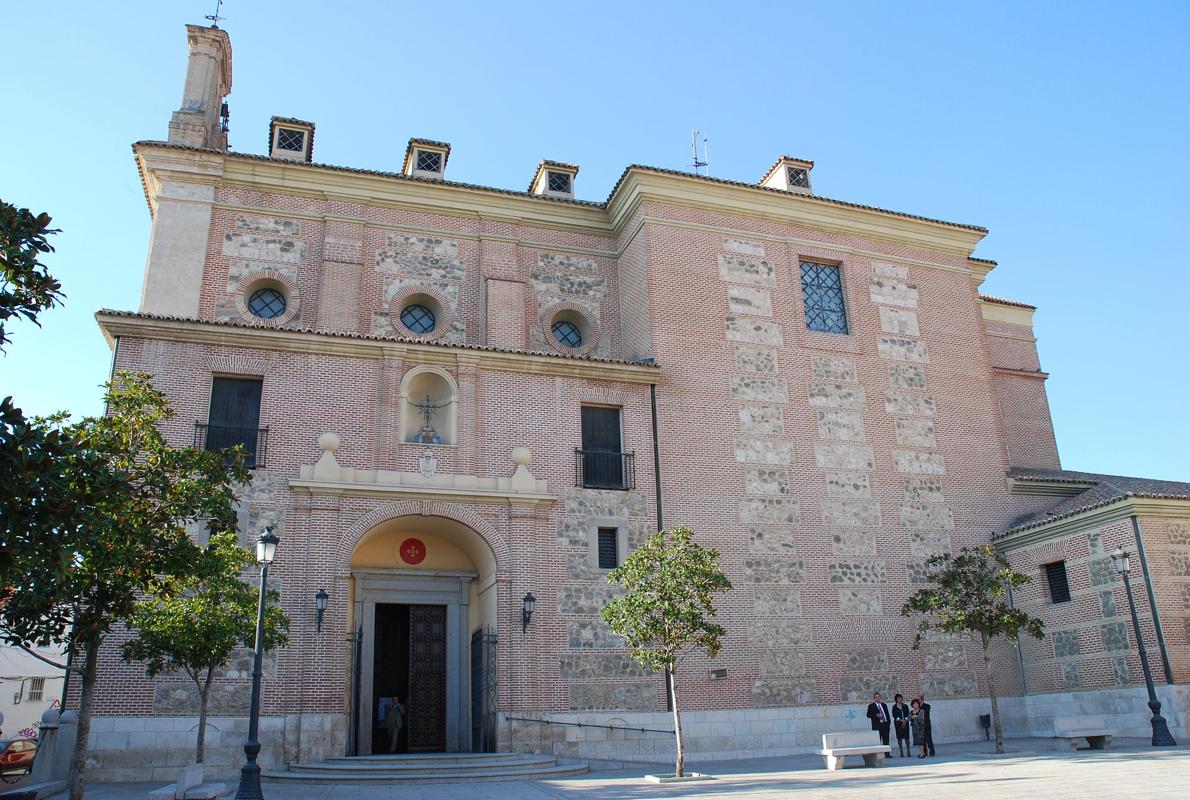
249,789
1161,734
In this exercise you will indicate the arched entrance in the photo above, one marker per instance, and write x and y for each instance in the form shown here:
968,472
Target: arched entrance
424,596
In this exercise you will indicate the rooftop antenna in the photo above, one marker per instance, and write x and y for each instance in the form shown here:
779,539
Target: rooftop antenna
214,18
705,162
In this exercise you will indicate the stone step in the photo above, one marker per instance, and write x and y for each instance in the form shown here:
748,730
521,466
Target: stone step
524,771
424,766
425,758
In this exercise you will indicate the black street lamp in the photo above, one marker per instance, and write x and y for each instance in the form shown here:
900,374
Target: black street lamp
1161,734
249,789
320,599
527,611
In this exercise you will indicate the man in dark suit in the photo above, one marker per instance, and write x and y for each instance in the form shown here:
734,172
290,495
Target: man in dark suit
881,720
925,710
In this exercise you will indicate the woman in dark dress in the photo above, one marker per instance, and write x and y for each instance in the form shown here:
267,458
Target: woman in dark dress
917,724
900,716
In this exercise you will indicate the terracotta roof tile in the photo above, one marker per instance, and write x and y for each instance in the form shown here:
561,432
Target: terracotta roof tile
993,299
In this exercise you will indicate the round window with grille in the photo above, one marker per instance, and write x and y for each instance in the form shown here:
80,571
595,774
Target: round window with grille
267,303
418,318
567,334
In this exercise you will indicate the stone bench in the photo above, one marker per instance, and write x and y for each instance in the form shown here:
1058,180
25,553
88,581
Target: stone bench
1070,731
190,786
837,746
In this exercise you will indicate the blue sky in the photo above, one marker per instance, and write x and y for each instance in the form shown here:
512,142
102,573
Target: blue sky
1062,127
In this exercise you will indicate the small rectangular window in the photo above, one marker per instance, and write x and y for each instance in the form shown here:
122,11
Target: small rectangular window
609,549
798,177
289,139
428,161
1055,574
822,294
36,689
559,182
234,418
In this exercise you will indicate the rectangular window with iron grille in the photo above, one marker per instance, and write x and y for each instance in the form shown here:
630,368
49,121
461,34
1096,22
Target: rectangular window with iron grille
799,177
290,139
36,689
609,548
1055,575
822,294
234,419
559,182
429,161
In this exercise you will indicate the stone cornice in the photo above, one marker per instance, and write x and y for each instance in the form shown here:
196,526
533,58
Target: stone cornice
1010,313
1124,507
638,185
1030,486
390,492
116,324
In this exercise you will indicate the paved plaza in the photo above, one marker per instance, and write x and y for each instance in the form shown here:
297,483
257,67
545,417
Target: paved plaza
1031,769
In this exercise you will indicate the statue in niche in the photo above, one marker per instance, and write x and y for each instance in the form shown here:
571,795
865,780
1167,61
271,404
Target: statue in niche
427,433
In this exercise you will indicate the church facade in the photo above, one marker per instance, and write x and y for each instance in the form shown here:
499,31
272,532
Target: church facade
464,404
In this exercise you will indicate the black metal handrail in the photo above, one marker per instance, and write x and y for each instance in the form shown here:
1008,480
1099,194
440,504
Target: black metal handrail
604,469
222,437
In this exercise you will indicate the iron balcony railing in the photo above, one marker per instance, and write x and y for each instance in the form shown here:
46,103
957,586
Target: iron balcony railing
604,469
221,437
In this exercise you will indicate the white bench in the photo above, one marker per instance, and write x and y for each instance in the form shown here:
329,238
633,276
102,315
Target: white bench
837,746
1069,731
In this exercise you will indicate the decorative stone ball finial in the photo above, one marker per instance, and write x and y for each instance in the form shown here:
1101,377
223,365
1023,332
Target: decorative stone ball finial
521,456
328,442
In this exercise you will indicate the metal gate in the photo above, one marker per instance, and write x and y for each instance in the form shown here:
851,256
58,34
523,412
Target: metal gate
483,691
426,710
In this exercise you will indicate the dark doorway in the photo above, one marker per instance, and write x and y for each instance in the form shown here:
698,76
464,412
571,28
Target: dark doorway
410,664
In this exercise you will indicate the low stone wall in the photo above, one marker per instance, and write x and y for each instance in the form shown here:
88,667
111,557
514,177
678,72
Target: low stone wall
748,733
155,748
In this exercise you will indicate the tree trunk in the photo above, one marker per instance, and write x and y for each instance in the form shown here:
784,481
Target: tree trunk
680,758
78,759
997,727
204,693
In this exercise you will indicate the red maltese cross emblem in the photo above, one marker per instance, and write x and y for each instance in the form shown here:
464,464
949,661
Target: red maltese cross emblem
413,551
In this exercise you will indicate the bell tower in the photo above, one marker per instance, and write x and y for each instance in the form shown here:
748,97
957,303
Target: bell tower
202,119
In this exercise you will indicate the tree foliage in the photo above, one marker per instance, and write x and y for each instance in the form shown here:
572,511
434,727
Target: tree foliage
968,596
26,287
197,627
667,607
115,531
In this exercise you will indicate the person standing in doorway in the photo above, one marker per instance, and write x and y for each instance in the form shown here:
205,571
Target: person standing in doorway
878,713
394,721
900,715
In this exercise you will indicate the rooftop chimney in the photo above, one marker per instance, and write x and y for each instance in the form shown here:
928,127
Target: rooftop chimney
554,179
202,119
425,158
291,139
789,175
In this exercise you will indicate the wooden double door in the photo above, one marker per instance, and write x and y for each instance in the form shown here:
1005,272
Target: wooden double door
410,663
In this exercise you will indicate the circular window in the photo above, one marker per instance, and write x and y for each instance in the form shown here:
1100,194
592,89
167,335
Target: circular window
267,303
567,334
418,318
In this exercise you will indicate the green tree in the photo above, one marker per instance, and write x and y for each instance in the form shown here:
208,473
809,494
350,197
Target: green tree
968,597
667,608
26,287
197,627
30,453
117,532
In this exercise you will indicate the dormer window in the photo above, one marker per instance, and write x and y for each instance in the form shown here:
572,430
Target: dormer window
554,179
789,175
426,159
291,139
559,182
